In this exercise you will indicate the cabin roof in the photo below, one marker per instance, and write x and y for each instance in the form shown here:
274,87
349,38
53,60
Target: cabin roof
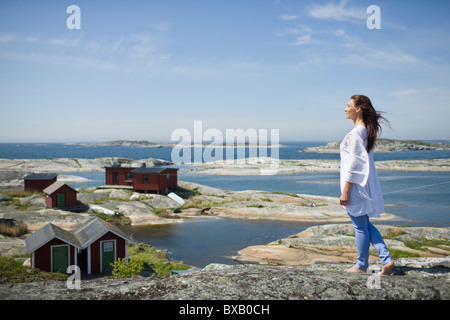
55,186
80,238
151,170
95,229
47,233
41,176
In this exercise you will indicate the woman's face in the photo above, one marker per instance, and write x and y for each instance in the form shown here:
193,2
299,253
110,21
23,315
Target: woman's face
351,110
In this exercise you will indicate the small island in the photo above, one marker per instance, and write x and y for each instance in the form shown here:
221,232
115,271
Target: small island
385,145
129,143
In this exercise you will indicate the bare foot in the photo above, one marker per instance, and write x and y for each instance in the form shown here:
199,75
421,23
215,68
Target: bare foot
387,268
355,269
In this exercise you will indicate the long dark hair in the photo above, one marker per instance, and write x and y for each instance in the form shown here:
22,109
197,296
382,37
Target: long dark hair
371,118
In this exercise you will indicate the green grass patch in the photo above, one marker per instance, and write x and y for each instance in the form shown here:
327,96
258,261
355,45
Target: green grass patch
116,219
12,271
396,253
18,193
417,245
393,233
286,194
161,212
76,161
200,203
19,205
154,259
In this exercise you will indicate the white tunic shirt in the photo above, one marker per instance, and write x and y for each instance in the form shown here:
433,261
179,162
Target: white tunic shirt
357,167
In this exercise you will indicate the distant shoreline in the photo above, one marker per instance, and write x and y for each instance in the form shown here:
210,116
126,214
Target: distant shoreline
268,166
248,166
385,145
147,144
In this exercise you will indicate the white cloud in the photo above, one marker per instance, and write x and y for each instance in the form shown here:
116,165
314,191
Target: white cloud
33,39
6,37
305,39
163,26
338,12
288,17
327,45
74,61
143,52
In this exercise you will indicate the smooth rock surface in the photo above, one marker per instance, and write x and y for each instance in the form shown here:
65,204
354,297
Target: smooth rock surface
424,279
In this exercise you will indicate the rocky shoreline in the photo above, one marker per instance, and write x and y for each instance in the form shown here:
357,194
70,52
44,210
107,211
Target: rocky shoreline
141,209
12,171
267,166
333,243
413,279
160,209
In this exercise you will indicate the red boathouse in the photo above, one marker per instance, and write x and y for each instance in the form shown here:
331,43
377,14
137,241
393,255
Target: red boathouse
92,247
158,179
59,195
37,182
119,176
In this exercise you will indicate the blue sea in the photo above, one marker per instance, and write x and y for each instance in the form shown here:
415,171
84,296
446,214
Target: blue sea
415,198
289,151
422,198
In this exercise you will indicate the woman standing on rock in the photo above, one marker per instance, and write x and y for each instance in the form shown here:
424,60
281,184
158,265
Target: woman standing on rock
361,192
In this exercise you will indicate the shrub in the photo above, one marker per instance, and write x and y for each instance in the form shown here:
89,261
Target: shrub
12,271
155,260
124,269
161,212
19,193
11,228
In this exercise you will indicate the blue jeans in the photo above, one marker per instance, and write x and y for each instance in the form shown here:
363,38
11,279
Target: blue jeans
365,234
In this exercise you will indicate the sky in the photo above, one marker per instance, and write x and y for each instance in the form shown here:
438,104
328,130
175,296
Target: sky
139,70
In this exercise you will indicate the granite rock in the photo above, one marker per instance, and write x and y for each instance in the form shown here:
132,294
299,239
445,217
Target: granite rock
413,279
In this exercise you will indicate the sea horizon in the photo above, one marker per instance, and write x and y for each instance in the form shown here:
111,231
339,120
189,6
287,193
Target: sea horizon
288,141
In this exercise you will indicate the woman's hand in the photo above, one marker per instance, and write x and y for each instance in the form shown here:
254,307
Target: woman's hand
343,200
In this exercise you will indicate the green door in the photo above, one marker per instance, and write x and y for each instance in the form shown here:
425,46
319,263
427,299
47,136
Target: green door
60,259
61,199
108,255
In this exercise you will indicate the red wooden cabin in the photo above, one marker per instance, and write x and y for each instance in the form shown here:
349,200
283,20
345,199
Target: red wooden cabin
119,176
52,249
37,182
157,179
59,195
102,244
154,179
92,247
